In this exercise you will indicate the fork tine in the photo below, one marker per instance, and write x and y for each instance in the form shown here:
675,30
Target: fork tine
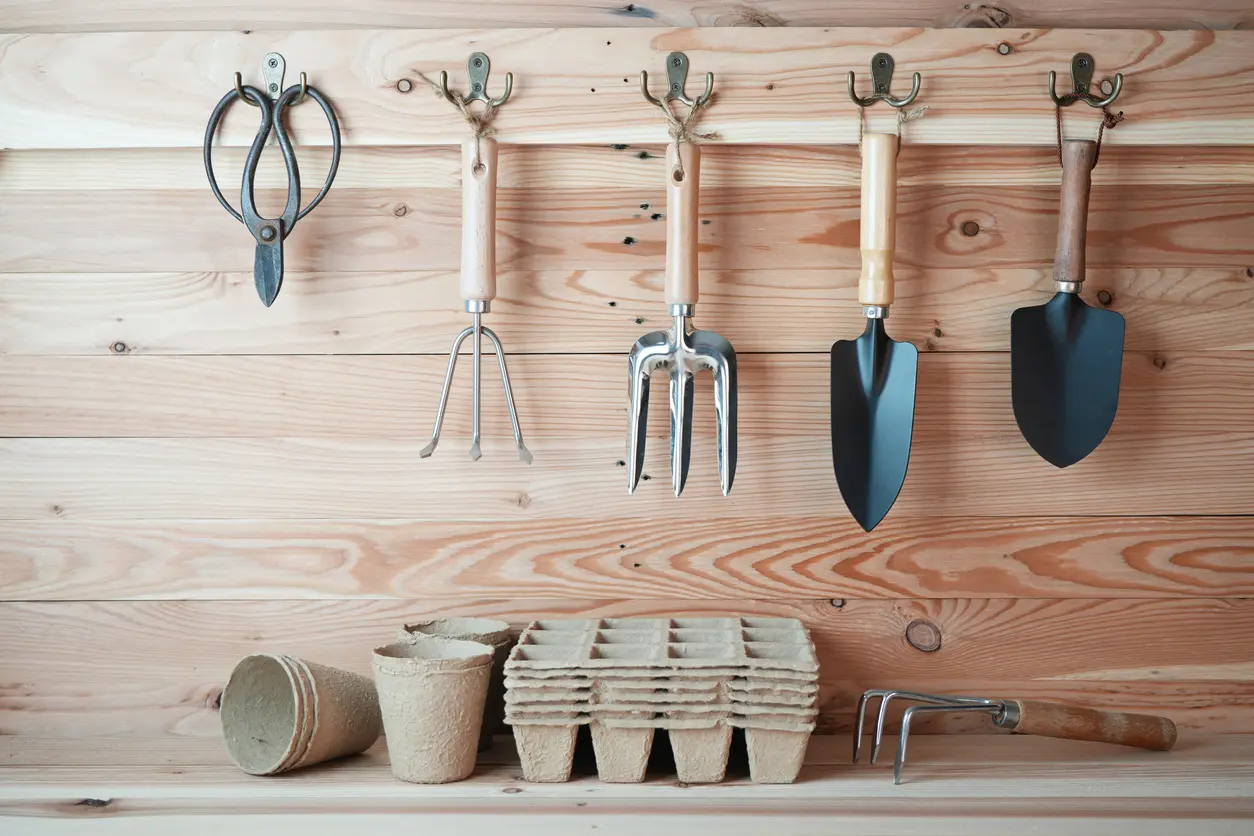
725,420
426,452
637,420
524,454
682,394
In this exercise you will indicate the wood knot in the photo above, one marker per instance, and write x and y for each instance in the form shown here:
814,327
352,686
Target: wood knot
837,603
404,85
94,802
1105,298
524,501
401,211
979,16
1160,363
923,635
970,229
512,790
120,347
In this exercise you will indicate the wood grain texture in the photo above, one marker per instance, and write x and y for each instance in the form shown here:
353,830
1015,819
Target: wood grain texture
978,785
292,478
81,16
748,558
776,85
582,311
621,166
547,229
960,395
156,668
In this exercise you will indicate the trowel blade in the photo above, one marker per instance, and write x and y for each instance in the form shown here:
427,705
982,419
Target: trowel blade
873,387
1065,363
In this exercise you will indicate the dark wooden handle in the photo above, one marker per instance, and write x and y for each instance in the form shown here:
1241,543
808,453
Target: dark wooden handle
1078,159
1047,719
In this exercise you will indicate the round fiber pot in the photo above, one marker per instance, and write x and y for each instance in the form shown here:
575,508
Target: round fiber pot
432,694
281,713
488,631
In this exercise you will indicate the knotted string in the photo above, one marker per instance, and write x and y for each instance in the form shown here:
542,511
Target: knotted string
681,130
480,123
903,117
1109,120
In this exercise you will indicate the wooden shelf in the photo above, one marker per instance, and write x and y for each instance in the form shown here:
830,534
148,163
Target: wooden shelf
975,784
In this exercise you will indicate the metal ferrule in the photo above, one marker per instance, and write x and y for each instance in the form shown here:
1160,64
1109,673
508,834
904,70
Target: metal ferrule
1067,287
1008,717
875,311
478,306
683,310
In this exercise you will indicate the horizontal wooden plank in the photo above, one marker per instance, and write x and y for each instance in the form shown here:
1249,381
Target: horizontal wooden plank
776,229
1196,474
618,167
960,395
84,16
580,311
970,783
982,786
749,558
156,668
775,85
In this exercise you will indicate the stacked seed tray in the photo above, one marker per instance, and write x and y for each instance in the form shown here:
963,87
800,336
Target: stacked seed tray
698,678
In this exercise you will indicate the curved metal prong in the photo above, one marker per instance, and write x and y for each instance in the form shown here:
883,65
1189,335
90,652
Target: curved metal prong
523,453
860,719
447,93
709,91
1114,93
914,92
921,709
1053,89
448,382
644,90
509,88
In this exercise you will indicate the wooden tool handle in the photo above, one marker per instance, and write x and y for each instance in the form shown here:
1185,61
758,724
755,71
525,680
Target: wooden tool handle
1144,731
879,218
682,211
1078,159
479,220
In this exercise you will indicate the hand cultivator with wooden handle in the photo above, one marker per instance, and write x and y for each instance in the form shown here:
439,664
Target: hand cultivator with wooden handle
478,273
1144,731
682,350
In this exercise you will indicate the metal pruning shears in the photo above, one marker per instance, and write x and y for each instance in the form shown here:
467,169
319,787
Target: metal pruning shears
270,232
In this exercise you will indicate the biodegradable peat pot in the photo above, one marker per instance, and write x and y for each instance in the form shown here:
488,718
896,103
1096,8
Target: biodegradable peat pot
281,713
432,693
489,631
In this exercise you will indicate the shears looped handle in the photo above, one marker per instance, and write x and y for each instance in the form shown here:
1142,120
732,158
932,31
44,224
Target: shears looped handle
269,233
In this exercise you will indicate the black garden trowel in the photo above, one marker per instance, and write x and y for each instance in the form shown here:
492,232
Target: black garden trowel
1065,356
874,376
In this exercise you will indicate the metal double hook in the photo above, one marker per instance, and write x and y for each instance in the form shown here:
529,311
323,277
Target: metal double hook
882,78
272,69
677,76
1082,67
477,68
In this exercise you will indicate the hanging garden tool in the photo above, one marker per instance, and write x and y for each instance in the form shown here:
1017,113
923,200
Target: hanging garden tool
478,268
874,376
1045,719
1066,357
271,232
682,350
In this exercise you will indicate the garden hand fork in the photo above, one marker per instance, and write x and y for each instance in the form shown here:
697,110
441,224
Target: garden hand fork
682,350
478,286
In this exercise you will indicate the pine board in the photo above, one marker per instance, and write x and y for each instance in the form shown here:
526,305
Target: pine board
960,395
85,16
729,559
590,311
290,478
156,668
775,85
545,229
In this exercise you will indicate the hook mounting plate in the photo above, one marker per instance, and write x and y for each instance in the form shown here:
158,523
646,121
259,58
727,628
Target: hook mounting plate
272,68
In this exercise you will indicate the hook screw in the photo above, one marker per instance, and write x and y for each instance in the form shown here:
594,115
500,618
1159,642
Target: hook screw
477,68
882,79
1082,68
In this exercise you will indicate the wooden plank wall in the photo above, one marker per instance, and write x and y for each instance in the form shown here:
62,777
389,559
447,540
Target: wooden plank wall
186,476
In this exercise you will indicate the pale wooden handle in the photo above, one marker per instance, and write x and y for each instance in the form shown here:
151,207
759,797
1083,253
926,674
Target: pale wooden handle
1078,159
879,218
1144,731
682,210
479,220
